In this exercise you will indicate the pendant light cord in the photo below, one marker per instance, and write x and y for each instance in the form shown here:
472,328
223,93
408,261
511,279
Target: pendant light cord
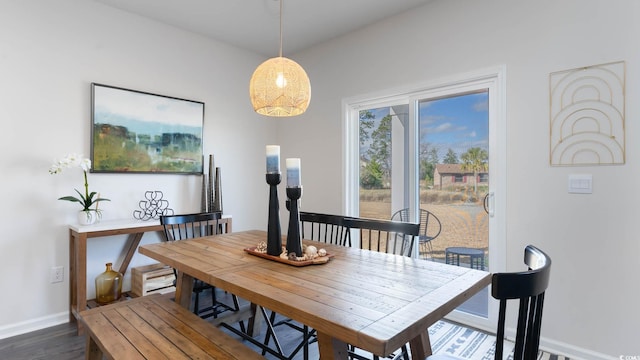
281,28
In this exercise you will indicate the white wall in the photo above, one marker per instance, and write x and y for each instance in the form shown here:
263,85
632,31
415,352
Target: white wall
590,309
50,53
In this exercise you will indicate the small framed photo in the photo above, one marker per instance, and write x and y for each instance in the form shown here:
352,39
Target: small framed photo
138,132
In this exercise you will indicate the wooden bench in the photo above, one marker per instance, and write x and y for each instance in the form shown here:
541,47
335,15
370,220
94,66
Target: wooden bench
155,327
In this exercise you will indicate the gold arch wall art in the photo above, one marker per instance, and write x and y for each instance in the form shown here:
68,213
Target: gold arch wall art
587,115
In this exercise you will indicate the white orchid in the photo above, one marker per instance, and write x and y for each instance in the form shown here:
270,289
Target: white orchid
75,160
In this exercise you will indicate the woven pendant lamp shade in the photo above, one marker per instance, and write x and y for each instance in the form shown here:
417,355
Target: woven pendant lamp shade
280,87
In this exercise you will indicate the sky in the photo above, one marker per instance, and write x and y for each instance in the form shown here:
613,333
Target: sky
456,123
459,123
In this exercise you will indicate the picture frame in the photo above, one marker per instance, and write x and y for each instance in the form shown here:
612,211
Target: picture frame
139,132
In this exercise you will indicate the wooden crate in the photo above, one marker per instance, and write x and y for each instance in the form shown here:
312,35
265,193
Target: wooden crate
151,279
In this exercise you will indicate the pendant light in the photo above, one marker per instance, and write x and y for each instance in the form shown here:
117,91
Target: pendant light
279,86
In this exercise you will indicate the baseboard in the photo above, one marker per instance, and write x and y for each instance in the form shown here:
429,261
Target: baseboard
571,351
24,327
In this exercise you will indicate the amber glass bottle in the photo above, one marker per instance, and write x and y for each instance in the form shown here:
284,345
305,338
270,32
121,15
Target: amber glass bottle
108,286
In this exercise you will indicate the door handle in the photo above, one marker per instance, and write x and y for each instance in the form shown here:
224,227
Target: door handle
489,202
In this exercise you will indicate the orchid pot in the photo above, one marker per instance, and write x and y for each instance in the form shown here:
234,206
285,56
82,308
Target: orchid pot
88,217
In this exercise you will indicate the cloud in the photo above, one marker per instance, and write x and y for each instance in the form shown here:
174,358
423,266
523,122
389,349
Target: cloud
481,106
446,128
430,119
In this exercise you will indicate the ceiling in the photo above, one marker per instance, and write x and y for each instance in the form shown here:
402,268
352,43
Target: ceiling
255,24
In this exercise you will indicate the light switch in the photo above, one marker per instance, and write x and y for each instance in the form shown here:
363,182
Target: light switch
580,184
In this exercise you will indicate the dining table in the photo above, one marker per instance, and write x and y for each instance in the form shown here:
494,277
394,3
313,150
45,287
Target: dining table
374,301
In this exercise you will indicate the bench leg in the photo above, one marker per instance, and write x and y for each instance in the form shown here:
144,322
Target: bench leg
92,351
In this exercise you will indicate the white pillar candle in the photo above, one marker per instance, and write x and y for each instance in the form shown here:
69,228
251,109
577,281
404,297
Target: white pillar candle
273,159
293,172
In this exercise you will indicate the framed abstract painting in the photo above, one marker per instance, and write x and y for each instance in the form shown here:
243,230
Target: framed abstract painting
139,132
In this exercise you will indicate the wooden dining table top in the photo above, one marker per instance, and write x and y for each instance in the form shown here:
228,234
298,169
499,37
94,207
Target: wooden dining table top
374,301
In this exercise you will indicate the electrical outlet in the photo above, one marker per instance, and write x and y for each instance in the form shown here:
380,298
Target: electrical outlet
57,274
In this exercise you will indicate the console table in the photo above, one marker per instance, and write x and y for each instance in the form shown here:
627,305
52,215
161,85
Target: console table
78,235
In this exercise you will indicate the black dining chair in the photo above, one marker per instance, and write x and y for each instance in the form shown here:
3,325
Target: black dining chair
189,226
528,287
324,228
430,227
392,237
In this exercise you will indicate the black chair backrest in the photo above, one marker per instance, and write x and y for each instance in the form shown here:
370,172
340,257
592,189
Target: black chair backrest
393,237
326,228
188,226
430,226
529,287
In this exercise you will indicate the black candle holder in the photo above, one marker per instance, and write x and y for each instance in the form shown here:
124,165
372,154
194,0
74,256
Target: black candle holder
294,240
274,234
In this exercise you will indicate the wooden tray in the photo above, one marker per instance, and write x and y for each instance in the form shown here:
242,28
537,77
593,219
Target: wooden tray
317,261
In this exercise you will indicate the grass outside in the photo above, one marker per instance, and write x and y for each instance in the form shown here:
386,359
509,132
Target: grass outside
464,221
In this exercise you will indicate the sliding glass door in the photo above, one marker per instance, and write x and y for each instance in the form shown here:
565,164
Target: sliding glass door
440,151
454,180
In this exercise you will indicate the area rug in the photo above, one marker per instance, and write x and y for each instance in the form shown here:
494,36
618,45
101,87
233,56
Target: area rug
465,343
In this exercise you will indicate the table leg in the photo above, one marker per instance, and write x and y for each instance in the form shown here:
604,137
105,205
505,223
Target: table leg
332,348
420,346
73,293
134,241
255,321
92,350
184,288
77,275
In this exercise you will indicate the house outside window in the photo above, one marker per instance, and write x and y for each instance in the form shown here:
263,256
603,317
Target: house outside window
450,176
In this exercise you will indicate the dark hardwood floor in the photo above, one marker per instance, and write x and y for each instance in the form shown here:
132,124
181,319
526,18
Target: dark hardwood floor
58,342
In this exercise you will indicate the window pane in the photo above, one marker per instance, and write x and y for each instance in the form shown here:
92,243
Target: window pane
375,163
454,164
